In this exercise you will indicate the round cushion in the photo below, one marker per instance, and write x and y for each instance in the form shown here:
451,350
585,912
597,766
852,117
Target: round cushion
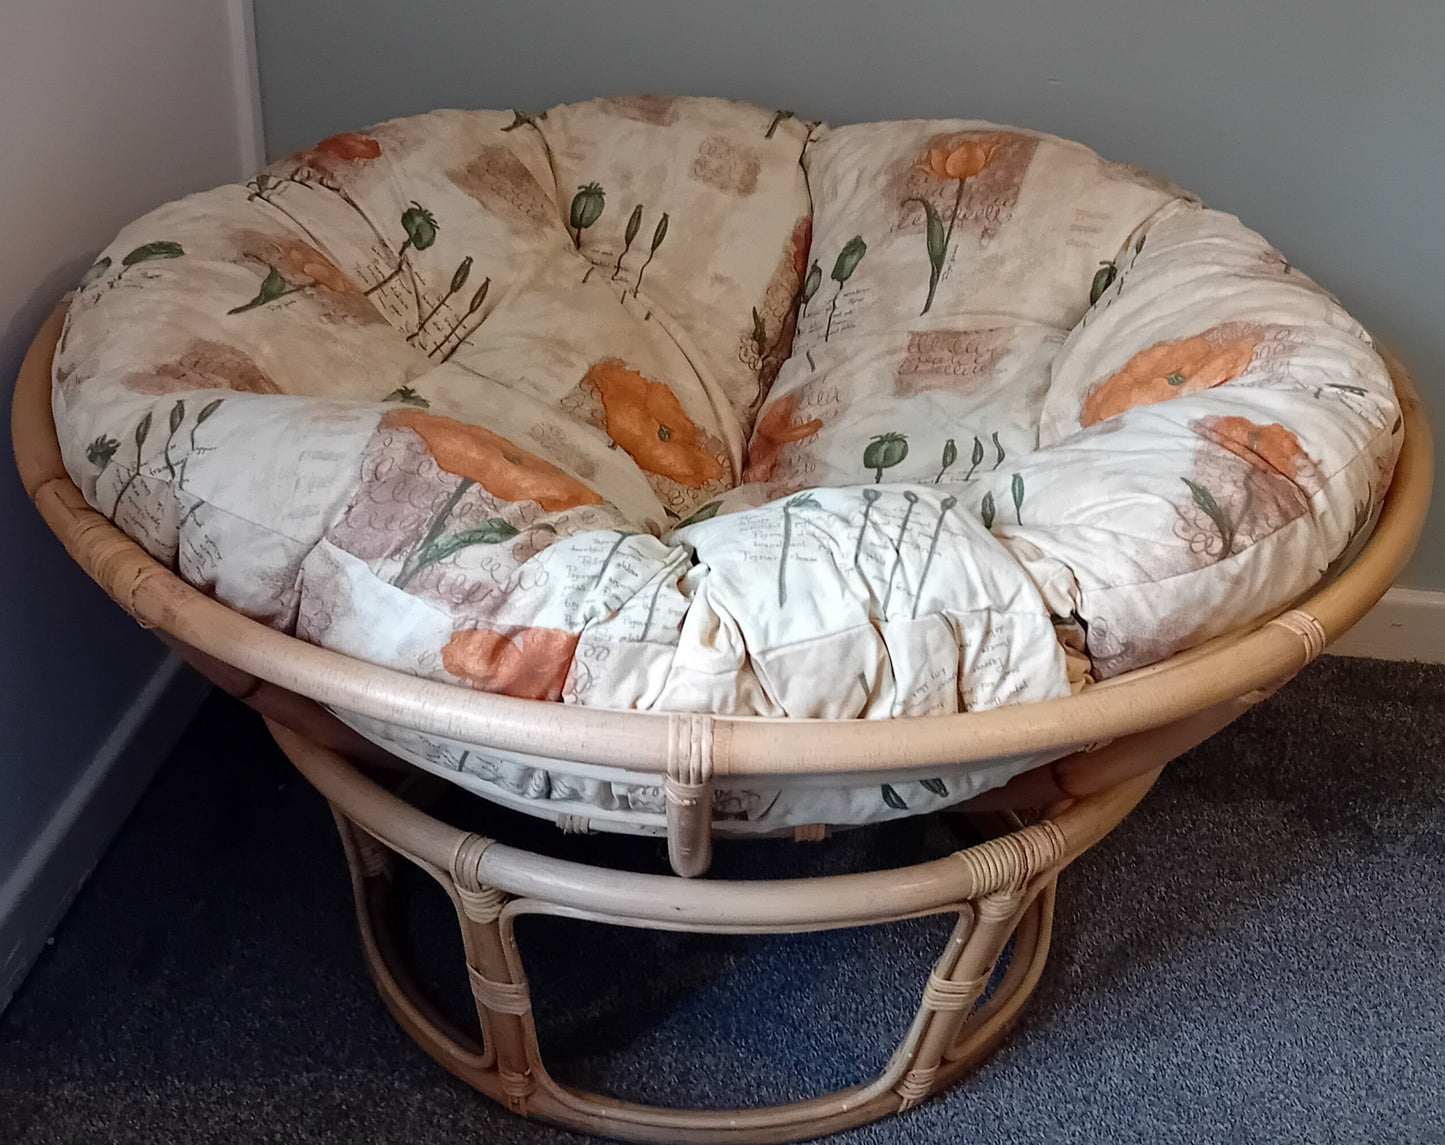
686,405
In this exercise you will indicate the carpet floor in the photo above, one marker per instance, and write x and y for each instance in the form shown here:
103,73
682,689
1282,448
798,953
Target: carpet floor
1256,954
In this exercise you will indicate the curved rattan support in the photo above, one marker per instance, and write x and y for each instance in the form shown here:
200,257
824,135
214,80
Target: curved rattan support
999,889
1112,740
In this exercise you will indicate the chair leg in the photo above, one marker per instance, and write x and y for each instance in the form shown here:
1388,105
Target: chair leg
372,866
504,1003
953,990
951,1033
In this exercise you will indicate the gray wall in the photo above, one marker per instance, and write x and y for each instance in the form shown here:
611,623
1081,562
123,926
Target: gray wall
106,110
1320,122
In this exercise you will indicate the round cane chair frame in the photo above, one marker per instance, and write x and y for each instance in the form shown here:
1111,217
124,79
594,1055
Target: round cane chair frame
1112,740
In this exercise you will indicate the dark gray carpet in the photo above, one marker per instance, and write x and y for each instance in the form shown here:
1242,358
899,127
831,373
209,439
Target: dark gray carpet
1257,954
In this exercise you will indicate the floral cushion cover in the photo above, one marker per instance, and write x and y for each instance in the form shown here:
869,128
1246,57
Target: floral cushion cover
682,404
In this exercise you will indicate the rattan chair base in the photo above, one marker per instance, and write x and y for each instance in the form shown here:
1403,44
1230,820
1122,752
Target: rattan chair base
1000,889
1109,742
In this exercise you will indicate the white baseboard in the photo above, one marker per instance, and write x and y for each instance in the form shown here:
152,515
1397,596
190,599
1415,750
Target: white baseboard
1408,624
36,894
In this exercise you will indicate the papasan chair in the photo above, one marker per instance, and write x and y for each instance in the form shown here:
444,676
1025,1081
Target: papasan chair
682,468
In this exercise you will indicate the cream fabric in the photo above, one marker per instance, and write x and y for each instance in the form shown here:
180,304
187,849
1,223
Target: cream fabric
680,404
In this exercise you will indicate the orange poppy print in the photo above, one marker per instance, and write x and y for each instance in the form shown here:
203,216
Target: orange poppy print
648,422
775,429
956,161
348,147
962,161
203,365
1171,370
800,242
502,468
304,261
1270,448
529,663
1257,480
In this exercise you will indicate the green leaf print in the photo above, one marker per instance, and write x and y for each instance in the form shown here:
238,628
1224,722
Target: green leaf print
998,446
418,554
407,396
1206,502
1362,519
884,452
142,431
459,280
273,286
149,252
101,451
937,236
950,455
849,258
492,532
847,262
937,786
986,510
634,224
810,287
478,297
975,459
893,799
206,411
177,416
937,241
1018,496
658,234
1103,279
